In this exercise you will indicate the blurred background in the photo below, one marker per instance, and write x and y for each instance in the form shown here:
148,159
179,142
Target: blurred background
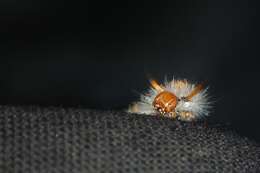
99,54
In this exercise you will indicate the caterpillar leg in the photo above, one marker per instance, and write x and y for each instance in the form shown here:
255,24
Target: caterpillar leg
172,115
186,116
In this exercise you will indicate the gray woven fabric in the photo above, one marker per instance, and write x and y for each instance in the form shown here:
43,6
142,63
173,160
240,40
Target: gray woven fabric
34,139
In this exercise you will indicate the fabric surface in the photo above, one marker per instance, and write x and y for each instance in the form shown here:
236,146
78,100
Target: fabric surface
34,139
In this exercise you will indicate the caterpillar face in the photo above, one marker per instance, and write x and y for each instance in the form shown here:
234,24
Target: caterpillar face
165,102
177,98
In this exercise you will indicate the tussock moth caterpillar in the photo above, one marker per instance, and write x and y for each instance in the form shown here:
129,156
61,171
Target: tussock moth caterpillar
177,99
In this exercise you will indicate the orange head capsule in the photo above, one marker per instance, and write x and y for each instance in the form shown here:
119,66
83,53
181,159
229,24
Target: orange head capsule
165,101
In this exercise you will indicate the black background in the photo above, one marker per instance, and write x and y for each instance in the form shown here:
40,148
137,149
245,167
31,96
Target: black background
99,54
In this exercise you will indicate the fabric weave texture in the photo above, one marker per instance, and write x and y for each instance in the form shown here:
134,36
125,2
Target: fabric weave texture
74,140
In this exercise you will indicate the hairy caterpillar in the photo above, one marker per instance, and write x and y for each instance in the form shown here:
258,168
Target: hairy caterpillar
177,99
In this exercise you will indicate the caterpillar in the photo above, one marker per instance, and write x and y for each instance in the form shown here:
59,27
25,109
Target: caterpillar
176,99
